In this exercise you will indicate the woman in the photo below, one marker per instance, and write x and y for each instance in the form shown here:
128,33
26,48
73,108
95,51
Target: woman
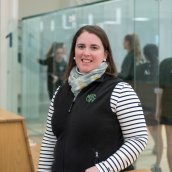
56,66
132,45
95,122
147,80
164,102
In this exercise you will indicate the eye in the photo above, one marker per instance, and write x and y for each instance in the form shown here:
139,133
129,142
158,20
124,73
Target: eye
94,47
81,46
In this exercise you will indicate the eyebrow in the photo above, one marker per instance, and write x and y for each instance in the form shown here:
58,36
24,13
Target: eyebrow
94,45
80,44
91,44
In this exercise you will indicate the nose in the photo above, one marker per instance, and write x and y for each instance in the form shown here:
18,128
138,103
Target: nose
86,52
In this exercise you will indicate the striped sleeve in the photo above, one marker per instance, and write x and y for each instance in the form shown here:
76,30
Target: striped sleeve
48,143
126,105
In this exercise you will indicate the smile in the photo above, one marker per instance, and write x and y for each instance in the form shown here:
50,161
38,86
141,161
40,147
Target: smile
84,60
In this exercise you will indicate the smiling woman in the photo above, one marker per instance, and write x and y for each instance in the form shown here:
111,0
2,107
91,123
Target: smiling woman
89,56
91,45
100,126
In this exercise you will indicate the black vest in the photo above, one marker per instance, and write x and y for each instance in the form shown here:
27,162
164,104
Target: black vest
87,130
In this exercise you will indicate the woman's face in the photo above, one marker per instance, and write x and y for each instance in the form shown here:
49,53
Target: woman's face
126,44
59,54
89,52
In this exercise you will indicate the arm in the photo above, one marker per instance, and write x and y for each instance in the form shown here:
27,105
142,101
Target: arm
43,62
126,105
48,143
158,92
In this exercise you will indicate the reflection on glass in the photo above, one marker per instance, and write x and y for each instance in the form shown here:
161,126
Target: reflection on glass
165,103
147,80
117,18
132,46
56,66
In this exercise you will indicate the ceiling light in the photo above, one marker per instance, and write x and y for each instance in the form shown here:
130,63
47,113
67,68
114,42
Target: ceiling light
141,19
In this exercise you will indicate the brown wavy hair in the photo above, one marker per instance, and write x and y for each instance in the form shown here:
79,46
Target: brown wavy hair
98,31
53,48
134,43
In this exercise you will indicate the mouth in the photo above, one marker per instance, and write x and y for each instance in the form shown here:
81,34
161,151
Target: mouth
85,60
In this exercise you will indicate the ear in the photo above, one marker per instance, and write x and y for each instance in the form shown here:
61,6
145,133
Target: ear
105,55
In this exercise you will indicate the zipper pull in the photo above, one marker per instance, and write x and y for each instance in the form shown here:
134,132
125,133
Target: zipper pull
96,157
70,108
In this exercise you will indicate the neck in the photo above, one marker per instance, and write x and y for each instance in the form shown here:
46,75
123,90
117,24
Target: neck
80,73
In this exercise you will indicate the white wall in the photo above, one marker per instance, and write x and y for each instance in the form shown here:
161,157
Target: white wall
10,13
67,3
8,19
32,7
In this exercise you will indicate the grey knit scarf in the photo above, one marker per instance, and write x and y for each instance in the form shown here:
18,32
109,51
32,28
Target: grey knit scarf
78,80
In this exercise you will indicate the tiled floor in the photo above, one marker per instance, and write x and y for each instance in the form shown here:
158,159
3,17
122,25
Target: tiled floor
148,158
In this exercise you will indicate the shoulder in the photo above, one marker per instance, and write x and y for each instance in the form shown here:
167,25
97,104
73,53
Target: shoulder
122,86
166,60
146,64
165,63
129,57
121,92
63,90
141,68
117,83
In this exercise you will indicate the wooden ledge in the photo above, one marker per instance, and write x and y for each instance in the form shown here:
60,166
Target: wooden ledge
6,116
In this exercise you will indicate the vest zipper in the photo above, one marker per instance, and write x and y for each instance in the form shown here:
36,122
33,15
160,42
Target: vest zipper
63,153
70,107
96,157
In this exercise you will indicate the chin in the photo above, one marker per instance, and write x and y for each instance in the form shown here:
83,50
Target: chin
85,70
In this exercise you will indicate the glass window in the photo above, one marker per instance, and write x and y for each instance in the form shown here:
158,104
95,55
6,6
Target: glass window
145,24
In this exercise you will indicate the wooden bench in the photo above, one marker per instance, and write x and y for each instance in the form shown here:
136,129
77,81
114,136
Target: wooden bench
15,154
35,150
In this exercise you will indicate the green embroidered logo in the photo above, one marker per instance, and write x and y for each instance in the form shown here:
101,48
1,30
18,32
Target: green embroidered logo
90,98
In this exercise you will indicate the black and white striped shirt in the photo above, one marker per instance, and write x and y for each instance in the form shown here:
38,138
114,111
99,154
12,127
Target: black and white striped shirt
126,105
